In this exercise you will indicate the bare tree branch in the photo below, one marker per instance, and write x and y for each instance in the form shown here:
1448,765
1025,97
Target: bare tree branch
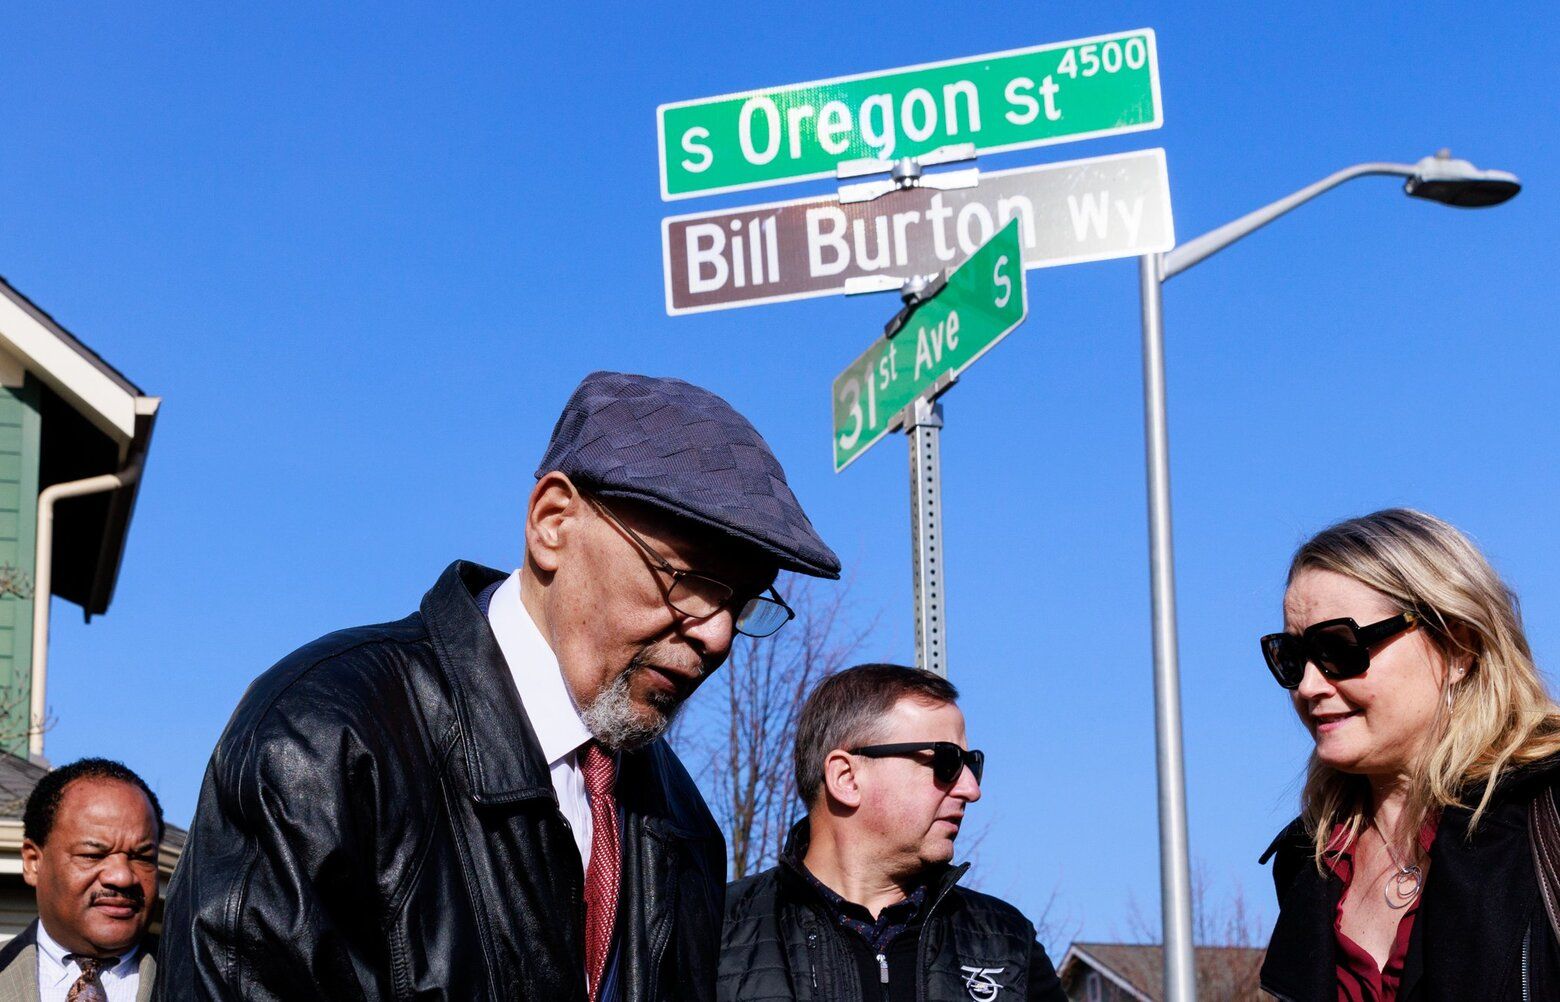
16,727
1232,922
747,756
1223,931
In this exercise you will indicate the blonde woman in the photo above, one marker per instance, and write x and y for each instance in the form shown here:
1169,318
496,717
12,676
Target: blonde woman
1410,872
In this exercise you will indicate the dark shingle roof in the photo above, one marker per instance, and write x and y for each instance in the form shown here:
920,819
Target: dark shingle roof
17,779
1224,973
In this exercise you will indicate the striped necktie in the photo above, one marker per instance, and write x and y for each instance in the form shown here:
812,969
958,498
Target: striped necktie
601,877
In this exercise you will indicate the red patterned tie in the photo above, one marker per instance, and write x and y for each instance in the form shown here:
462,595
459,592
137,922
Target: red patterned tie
601,877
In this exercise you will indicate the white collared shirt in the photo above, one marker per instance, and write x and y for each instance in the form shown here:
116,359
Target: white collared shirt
56,976
548,704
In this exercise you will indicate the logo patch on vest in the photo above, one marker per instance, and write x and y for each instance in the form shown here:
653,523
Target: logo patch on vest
979,981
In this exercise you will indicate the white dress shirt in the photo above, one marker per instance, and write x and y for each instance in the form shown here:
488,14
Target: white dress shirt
548,704
56,976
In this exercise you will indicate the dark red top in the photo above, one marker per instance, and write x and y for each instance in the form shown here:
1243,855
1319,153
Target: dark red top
1359,980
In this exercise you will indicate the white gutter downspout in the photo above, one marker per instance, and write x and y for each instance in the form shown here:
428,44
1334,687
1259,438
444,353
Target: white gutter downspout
43,583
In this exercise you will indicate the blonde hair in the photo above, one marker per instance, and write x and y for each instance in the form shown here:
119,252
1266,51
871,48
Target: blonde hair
1495,717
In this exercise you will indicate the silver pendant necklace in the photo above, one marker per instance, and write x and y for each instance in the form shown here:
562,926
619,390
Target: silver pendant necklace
1405,883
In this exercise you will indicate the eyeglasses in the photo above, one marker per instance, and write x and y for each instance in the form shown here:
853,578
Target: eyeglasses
948,759
699,596
1340,648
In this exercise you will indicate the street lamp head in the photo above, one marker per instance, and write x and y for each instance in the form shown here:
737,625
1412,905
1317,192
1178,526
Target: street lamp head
1458,182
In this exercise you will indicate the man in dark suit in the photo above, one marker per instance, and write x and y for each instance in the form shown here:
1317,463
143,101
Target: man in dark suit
90,836
475,802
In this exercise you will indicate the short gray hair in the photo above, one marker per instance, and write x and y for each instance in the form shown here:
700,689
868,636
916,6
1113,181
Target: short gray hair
847,708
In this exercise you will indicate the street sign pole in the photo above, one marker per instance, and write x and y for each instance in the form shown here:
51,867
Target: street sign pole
948,322
1175,881
923,427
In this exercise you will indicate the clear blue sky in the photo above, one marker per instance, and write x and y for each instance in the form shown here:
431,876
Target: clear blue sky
365,256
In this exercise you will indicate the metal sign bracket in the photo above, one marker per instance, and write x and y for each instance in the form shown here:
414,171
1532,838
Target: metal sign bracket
916,293
910,417
907,172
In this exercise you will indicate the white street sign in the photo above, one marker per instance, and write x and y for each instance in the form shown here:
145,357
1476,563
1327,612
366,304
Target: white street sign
1080,210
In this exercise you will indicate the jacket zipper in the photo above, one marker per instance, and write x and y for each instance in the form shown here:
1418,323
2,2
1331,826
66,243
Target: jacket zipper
1527,986
812,960
882,960
920,938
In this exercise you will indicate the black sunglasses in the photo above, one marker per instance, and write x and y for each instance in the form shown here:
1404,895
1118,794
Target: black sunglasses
948,759
1340,648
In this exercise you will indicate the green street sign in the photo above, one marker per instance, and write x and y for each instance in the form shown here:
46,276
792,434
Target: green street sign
982,302
1100,86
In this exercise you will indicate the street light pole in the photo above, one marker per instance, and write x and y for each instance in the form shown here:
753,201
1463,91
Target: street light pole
1437,178
1175,877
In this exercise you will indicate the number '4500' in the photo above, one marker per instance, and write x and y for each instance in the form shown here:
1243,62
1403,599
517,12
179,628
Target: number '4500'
1087,60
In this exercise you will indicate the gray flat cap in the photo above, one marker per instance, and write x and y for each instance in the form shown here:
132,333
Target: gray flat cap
686,451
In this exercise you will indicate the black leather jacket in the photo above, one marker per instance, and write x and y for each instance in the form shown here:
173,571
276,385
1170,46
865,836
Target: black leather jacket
1481,932
377,823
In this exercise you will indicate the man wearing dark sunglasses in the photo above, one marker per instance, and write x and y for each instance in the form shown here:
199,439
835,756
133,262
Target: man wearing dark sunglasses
865,904
474,802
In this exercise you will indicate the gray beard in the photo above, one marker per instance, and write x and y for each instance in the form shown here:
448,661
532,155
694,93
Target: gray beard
621,726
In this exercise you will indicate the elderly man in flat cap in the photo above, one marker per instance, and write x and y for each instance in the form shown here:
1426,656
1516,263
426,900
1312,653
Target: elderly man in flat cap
474,802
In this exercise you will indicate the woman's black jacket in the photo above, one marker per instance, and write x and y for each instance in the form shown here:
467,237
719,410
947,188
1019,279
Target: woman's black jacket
1479,917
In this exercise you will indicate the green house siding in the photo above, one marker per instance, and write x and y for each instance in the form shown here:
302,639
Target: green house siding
19,441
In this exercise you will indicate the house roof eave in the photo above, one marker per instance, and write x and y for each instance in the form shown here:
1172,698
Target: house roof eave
78,374
1076,954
